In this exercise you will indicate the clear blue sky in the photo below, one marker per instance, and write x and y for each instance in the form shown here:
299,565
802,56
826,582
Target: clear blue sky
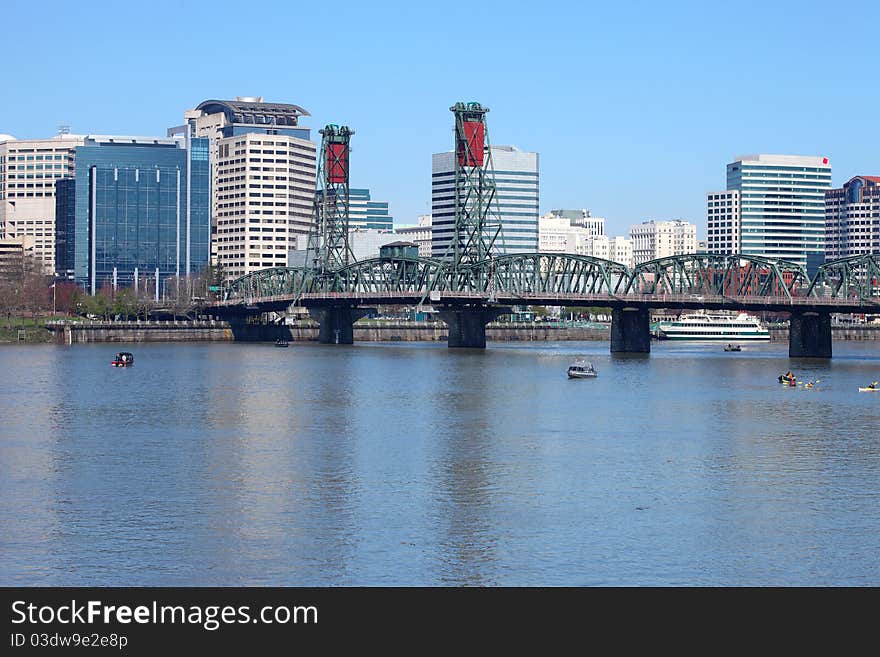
634,107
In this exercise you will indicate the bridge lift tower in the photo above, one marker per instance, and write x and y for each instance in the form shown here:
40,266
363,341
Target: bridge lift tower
328,248
478,232
477,220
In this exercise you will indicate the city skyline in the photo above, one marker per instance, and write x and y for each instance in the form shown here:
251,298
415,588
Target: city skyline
602,114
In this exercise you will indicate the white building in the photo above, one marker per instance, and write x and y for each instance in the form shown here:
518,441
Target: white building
723,222
263,173
516,183
616,249
28,171
564,231
419,234
582,219
774,207
364,242
659,239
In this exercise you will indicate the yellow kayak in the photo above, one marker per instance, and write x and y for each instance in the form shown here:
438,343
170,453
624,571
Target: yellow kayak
869,389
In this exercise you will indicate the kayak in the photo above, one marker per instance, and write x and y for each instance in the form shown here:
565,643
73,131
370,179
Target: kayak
869,389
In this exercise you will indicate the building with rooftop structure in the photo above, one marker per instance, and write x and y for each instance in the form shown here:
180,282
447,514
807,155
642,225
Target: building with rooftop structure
852,218
263,180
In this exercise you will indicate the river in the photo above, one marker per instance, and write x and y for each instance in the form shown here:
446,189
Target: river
413,464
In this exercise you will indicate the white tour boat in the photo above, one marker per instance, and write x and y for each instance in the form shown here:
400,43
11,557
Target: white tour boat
714,326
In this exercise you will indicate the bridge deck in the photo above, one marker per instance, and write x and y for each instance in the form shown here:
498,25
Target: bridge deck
655,301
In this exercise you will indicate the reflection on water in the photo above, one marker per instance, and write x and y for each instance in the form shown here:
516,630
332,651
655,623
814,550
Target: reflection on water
407,464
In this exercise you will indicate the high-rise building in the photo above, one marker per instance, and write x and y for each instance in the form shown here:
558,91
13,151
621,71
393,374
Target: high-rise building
659,239
263,180
136,204
516,194
852,218
419,234
28,171
778,210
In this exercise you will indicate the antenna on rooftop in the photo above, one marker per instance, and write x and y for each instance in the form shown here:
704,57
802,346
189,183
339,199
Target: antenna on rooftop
63,129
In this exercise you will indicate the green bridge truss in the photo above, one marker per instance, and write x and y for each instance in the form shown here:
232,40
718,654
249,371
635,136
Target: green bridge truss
733,276
848,278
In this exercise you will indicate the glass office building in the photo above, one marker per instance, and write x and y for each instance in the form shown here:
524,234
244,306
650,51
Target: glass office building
140,205
781,213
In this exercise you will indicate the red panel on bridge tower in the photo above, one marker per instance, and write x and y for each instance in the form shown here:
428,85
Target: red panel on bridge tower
337,163
470,149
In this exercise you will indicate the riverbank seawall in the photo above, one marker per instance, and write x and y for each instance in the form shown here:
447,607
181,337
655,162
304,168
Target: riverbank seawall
364,331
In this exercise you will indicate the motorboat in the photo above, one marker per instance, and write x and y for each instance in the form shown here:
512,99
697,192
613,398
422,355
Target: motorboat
582,370
123,359
281,343
732,347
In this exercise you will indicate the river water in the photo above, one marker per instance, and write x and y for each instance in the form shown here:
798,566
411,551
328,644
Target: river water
414,464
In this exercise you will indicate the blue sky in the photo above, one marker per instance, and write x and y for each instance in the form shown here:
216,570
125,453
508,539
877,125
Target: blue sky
634,107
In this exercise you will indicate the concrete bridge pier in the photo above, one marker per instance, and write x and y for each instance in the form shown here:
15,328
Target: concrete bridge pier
630,330
336,323
467,325
809,335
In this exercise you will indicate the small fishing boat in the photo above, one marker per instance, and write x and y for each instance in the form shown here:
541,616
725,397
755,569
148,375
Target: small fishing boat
281,343
732,347
123,359
582,370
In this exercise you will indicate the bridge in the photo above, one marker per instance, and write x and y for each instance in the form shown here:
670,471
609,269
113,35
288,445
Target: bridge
475,282
470,298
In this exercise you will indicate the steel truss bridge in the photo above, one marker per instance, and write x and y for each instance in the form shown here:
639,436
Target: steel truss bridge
697,281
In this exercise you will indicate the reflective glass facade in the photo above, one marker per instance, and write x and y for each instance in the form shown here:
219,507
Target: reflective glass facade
782,205
135,210
65,223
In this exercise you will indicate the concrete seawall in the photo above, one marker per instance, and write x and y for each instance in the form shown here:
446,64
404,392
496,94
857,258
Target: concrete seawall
364,331
857,333
170,331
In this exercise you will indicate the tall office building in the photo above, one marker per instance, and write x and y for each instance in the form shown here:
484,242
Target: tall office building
28,171
852,218
136,204
516,183
660,239
263,180
777,212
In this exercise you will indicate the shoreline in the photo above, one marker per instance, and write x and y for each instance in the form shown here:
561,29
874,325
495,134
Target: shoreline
364,331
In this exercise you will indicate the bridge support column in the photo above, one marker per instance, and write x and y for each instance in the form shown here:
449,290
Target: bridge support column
336,323
809,335
467,325
630,330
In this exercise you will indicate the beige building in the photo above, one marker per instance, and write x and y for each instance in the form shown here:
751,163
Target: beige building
659,239
13,251
263,166
28,171
419,234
